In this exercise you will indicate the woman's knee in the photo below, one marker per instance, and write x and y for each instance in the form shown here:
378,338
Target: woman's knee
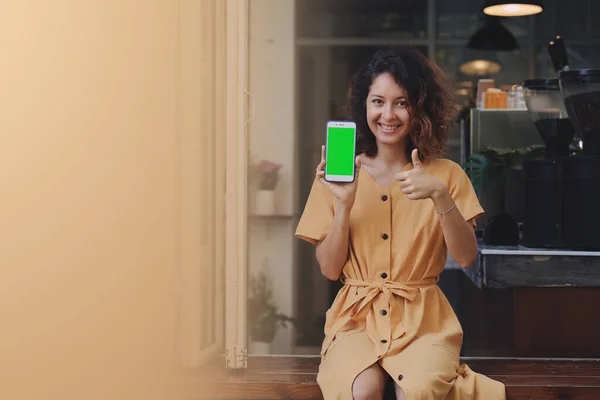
423,388
400,395
368,390
369,384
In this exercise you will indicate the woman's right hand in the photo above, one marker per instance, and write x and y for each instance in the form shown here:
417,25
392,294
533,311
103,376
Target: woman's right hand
344,192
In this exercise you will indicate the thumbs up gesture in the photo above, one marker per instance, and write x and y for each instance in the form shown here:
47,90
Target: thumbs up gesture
417,183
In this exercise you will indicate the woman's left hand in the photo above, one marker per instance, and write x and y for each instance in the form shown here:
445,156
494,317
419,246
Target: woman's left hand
417,184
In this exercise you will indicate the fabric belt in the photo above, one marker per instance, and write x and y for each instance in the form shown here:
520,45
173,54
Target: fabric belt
407,290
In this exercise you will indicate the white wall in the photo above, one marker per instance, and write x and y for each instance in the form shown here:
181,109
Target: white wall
272,137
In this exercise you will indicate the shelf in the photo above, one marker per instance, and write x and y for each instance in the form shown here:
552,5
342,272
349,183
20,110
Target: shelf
502,110
360,41
510,267
272,217
527,251
390,41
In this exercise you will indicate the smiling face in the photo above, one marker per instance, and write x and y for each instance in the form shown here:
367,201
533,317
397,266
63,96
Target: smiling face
387,111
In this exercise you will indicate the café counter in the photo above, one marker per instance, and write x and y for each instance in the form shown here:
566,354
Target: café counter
542,303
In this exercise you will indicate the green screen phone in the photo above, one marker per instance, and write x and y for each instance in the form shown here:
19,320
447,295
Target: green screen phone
340,151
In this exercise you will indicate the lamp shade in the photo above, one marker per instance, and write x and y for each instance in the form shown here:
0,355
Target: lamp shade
479,63
512,8
480,67
493,36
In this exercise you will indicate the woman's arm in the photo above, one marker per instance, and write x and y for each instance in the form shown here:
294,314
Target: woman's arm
332,252
458,233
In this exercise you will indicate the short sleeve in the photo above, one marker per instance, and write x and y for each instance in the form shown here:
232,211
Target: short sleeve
317,215
464,195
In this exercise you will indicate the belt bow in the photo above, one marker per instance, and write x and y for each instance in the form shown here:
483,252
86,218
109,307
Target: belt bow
407,290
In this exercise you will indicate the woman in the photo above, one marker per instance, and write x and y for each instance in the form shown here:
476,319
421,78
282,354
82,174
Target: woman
386,236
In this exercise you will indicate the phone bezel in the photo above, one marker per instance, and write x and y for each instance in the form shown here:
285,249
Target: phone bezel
339,178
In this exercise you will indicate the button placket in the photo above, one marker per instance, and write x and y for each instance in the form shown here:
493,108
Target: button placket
383,322
382,258
384,218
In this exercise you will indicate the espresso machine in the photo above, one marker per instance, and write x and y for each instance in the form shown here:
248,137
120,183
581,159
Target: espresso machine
580,186
542,225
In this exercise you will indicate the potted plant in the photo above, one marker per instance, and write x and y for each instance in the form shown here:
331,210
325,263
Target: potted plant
267,173
263,316
492,165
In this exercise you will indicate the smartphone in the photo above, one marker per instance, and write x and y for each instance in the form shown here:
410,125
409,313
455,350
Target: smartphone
340,151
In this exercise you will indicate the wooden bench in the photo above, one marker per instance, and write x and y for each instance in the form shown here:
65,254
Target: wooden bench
282,377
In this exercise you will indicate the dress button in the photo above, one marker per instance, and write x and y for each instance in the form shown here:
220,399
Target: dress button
384,197
385,236
383,312
383,341
384,275
400,377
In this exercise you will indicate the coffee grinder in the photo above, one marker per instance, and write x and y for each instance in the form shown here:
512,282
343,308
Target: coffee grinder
543,205
580,91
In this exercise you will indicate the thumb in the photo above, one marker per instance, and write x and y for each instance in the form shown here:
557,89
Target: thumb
415,159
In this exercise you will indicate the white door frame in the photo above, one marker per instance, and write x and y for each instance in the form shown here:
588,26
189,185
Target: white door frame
202,112
236,204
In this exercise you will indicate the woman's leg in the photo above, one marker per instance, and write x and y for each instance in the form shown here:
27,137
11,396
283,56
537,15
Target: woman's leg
370,384
400,395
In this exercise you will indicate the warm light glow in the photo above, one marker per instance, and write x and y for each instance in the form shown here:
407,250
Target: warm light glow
512,10
480,68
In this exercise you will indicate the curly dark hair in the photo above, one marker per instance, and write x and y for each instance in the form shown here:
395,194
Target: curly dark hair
430,100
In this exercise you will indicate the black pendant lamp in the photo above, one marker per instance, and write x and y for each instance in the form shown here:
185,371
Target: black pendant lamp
493,36
512,8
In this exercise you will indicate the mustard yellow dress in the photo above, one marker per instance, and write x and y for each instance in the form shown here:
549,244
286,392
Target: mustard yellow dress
390,309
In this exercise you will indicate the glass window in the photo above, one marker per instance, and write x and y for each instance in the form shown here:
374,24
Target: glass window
362,19
558,18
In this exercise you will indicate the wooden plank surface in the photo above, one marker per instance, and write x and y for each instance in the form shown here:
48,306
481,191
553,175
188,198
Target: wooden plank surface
295,378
